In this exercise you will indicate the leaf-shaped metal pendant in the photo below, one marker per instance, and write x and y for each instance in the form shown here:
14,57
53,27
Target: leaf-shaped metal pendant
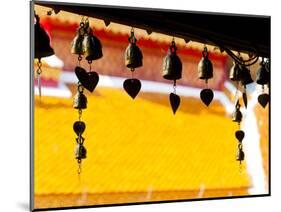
89,80
132,87
263,99
175,102
206,96
239,134
79,127
245,99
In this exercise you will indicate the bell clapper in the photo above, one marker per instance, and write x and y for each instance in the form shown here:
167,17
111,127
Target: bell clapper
90,65
132,73
175,86
206,83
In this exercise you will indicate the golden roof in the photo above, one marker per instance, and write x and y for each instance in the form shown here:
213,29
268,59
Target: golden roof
135,145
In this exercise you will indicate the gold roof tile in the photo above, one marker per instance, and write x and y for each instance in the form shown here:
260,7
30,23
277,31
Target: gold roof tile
135,145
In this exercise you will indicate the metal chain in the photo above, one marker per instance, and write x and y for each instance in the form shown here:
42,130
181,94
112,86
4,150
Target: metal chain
39,71
79,170
90,64
175,86
132,72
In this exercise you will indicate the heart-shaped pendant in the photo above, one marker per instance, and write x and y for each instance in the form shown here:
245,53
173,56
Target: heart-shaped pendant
239,134
263,99
89,80
132,87
174,101
206,96
79,127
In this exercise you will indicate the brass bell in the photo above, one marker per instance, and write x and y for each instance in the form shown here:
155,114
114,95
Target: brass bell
172,66
92,47
237,115
77,42
262,75
80,152
80,101
245,76
42,41
235,73
205,66
240,155
133,56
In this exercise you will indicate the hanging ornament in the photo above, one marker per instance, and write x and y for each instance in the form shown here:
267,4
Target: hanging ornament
82,45
239,73
205,72
42,48
239,134
245,80
133,59
89,80
263,79
87,44
235,74
80,103
237,115
172,70
91,45
240,153
77,42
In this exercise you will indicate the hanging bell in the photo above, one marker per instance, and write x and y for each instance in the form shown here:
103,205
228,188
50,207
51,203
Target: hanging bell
80,152
80,101
92,47
240,155
133,56
205,66
262,75
245,76
172,66
42,41
237,115
235,73
77,43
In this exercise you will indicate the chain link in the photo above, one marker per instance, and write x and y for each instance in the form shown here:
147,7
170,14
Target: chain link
175,86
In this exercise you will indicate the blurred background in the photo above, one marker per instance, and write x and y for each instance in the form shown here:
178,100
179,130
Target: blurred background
137,150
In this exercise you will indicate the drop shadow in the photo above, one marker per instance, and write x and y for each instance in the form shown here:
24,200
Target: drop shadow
24,206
